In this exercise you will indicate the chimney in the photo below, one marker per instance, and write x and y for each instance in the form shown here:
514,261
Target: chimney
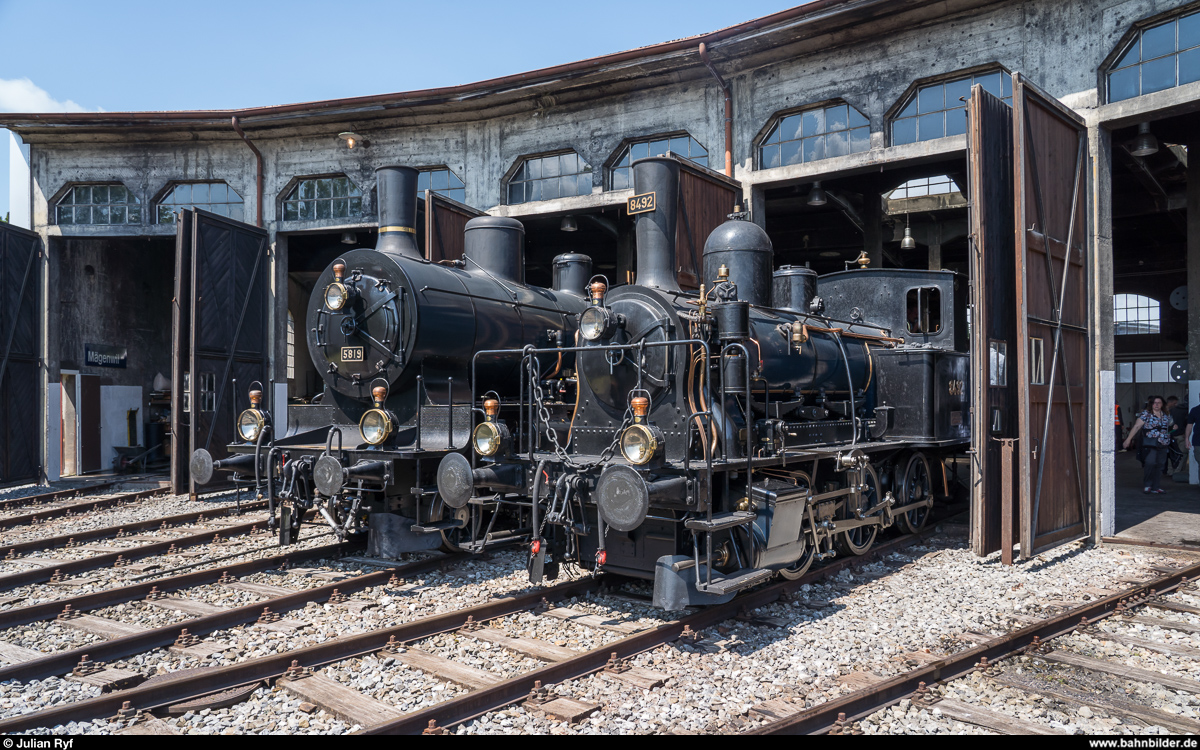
656,265
397,192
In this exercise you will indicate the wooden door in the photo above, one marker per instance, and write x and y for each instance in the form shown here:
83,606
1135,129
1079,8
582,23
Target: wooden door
706,199
1053,322
21,375
994,319
445,221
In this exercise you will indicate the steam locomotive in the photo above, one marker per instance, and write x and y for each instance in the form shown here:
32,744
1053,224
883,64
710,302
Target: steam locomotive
394,337
721,437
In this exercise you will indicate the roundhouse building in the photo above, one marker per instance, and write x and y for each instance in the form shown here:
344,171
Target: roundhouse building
841,126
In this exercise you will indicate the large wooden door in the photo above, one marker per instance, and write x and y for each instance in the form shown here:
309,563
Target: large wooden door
21,377
1031,332
706,199
226,326
994,421
445,221
1049,154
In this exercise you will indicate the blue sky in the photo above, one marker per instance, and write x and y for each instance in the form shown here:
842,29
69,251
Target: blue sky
131,55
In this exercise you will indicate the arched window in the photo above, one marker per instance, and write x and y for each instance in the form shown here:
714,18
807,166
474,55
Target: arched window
1158,57
1133,313
443,182
815,134
99,204
621,175
543,178
923,186
940,109
210,196
317,198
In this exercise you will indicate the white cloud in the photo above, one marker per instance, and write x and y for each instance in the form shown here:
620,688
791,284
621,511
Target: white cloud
22,95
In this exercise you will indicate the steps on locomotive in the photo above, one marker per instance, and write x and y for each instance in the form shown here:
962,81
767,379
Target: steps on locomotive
721,521
735,581
436,526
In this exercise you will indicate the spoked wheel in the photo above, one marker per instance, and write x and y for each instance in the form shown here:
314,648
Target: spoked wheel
805,561
858,540
916,485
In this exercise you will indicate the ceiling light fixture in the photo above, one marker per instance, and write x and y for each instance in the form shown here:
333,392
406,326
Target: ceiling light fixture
354,140
816,196
908,243
1145,143
568,224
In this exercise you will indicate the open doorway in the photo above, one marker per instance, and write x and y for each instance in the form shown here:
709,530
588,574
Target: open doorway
1151,324
112,340
603,234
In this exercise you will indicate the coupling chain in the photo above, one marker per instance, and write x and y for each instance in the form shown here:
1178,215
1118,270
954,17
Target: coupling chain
543,414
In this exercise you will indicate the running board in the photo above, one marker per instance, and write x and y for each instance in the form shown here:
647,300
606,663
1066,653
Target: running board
736,581
721,521
436,526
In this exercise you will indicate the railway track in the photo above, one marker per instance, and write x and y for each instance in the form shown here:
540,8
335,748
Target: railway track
84,505
926,686
293,669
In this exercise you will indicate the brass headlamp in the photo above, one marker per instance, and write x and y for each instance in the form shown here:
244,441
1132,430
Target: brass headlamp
337,294
251,422
376,424
640,442
490,435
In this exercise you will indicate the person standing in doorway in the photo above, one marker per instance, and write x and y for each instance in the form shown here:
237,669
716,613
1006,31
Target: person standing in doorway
1192,418
1154,424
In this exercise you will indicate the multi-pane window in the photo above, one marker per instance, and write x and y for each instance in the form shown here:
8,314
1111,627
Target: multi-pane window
1133,313
210,196
1149,372
940,109
208,391
680,145
443,182
1159,57
99,204
815,134
318,198
923,186
291,346
543,178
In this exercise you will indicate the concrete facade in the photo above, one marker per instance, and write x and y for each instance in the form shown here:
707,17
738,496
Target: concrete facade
869,53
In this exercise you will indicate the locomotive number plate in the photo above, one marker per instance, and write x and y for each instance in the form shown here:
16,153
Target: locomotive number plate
640,204
352,354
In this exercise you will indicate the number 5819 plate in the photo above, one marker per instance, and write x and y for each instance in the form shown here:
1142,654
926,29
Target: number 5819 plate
352,354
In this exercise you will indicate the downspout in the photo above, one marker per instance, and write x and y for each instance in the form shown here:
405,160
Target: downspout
728,110
258,201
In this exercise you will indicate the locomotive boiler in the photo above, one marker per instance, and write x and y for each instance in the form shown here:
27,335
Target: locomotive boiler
745,430
393,337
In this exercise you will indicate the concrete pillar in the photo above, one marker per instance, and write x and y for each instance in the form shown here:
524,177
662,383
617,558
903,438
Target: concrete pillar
20,200
935,257
872,217
1102,441
1193,283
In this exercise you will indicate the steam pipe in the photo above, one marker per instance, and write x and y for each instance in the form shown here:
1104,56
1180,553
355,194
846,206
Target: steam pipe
258,199
728,109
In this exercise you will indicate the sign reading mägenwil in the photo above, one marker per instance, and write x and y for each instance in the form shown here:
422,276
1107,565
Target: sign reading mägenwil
99,355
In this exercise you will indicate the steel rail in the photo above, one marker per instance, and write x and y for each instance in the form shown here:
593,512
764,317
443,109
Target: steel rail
111,531
863,703
84,505
168,691
109,597
1155,545
43,574
476,703
49,497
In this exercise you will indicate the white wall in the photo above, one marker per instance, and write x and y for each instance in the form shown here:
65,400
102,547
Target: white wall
115,402
53,432
20,205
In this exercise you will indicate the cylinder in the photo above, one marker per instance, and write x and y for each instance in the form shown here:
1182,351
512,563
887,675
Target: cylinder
745,249
656,229
793,288
572,271
495,244
733,320
735,372
397,190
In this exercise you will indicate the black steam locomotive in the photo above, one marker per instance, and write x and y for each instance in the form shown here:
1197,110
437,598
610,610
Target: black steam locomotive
724,436
394,337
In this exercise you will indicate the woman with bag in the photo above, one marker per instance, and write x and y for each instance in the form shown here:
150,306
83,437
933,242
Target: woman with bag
1154,424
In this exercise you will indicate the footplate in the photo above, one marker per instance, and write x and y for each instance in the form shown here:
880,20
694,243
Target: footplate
735,582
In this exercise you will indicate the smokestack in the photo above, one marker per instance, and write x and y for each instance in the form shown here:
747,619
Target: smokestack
397,191
656,229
